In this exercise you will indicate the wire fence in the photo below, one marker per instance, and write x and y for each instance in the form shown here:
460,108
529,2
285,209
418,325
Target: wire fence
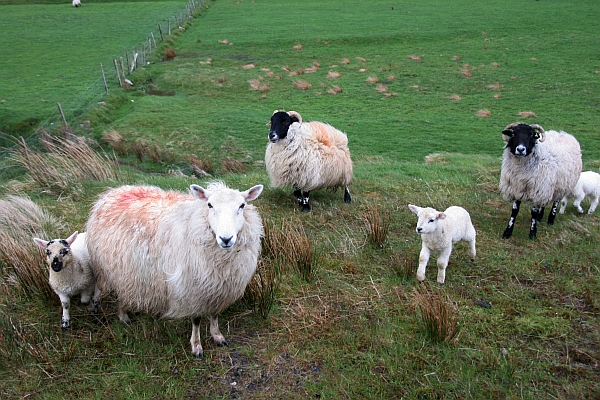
113,74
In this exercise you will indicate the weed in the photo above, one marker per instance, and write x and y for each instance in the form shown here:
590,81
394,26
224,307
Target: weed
439,316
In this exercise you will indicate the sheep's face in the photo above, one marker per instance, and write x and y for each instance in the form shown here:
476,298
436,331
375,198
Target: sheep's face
58,251
521,139
225,211
280,123
428,218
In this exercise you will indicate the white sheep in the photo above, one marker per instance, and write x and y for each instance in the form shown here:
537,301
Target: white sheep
439,231
539,168
70,272
307,156
76,3
176,255
588,185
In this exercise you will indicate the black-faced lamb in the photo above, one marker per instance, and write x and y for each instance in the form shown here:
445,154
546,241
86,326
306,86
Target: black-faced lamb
539,168
176,255
307,156
588,186
70,272
439,231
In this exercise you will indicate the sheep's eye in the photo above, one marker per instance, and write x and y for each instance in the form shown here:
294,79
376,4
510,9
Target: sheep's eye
64,252
242,206
210,205
431,220
48,252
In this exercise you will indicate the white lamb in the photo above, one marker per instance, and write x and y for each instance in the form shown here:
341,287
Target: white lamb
176,255
76,3
439,231
307,156
588,185
70,272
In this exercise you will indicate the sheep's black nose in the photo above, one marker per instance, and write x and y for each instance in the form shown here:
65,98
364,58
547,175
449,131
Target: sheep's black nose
226,240
273,136
419,229
56,265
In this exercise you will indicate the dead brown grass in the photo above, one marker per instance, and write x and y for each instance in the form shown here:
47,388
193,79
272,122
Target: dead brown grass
484,113
302,84
414,57
231,165
527,114
377,223
333,75
438,314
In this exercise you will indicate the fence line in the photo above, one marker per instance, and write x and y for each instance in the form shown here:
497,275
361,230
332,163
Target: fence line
97,89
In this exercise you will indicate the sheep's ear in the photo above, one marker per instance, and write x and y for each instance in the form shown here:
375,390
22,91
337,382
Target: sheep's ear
253,192
199,192
72,238
42,243
441,215
414,209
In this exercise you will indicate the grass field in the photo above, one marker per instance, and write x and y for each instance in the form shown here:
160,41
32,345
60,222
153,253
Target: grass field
406,82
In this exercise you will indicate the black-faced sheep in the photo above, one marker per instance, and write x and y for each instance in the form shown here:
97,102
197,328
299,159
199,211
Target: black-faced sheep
70,272
539,168
307,156
588,185
439,231
176,255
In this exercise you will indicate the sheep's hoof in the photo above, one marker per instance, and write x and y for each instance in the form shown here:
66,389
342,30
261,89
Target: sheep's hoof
223,343
506,235
65,324
305,208
347,198
200,355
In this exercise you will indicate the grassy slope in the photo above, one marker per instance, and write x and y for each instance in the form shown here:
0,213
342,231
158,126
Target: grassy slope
353,331
63,64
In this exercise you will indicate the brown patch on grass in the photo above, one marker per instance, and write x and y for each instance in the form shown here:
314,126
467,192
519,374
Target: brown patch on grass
381,88
256,84
302,84
389,94
248,66
298,47
286,68
527,114
414,57
372,79
436,158
455,97
299,71
221,80
456,58
169,53
497,96
466,73
231,165
377,224
345,61
140,149
362,70
484,113
361,59
414,86
200,168
439,315
495,86
115,141
333,75
334,90
495,65
533,59
391,78
225,41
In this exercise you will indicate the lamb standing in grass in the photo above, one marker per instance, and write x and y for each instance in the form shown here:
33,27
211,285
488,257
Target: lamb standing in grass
76,3
439,231
588,185
176,255
70,272
307,156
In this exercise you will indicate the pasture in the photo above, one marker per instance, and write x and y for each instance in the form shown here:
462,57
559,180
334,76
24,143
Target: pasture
423,91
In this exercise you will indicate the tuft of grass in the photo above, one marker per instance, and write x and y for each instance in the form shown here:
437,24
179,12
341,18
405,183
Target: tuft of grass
377,222
261,292
291,244
438,314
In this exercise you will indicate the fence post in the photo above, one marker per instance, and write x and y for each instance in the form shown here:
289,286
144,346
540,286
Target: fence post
153,40
118,73
162,39
104,79
68,128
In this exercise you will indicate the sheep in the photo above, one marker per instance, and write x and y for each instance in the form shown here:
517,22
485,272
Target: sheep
539,168
307,156
76,3
588,185
70,272
439,231
176,255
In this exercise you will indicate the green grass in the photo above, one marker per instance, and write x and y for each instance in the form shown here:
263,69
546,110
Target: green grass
353,330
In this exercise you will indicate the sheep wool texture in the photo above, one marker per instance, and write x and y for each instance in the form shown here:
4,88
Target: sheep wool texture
156,251
312,156
546,175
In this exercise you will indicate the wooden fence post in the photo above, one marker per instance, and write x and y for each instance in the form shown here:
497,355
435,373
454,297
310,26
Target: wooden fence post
68,128
104,79
118,73
162,39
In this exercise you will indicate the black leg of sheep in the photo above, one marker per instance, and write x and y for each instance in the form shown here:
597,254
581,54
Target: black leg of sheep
511,222
347,198
302,199
553,211
537,213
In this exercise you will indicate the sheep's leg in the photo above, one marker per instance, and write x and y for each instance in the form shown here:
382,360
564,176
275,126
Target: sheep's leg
65,301
347,198
95,300
215,332
577,203
305,205
563,205
423,260
195,339
122,311
593,204
552,214
536,215
511,222
442,263
472,250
